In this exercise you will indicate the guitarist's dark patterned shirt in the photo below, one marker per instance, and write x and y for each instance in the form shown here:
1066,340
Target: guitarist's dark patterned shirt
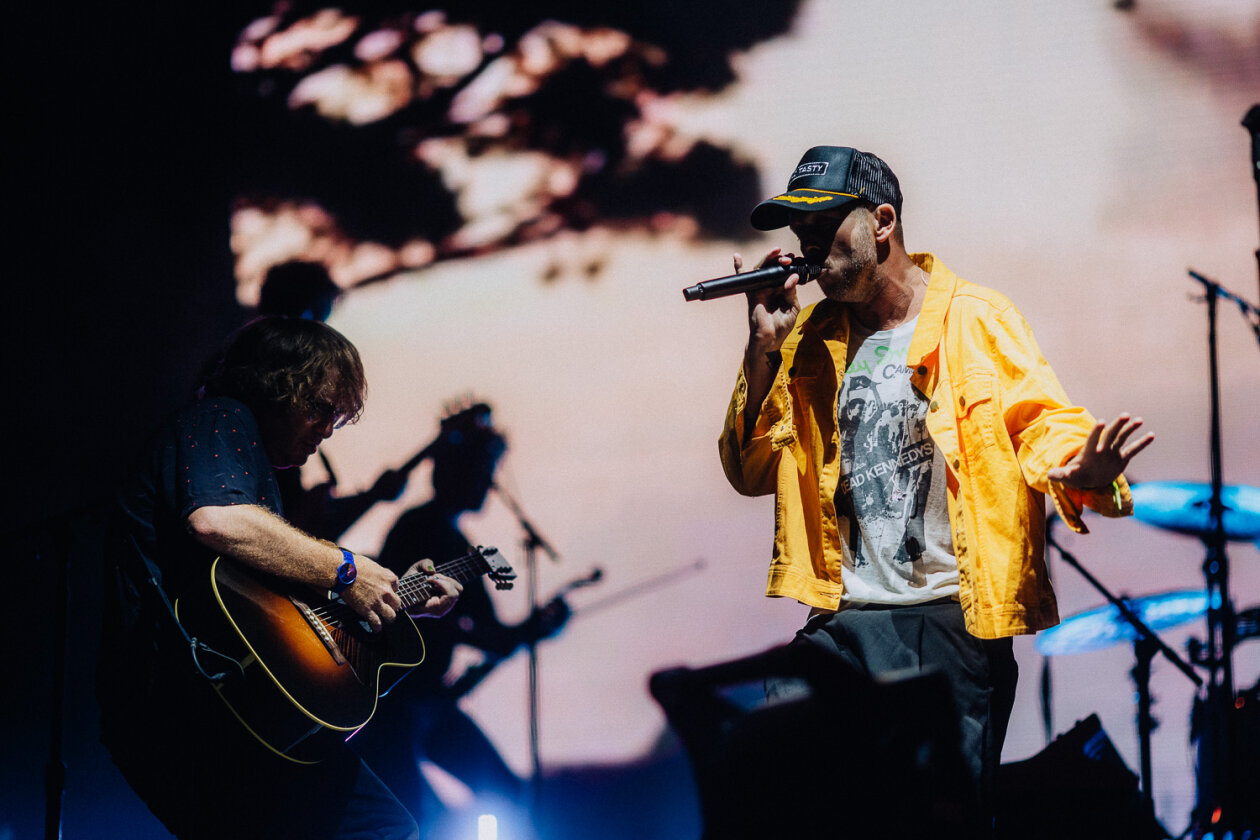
209,454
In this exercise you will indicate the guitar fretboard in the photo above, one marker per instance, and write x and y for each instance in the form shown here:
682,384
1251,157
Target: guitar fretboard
418,588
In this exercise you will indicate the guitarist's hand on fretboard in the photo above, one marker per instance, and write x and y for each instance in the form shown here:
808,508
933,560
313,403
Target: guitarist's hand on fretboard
374,593
442,592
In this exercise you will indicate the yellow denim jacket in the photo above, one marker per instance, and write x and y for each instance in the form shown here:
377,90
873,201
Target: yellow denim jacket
995,410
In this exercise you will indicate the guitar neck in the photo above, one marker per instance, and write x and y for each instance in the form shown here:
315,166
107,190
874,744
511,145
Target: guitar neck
417,588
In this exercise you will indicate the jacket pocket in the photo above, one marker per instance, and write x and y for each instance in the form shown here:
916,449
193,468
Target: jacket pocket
977,411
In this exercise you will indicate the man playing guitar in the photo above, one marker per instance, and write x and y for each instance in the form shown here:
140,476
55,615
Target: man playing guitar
205,487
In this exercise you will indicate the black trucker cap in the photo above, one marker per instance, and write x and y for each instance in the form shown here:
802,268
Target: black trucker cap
827,177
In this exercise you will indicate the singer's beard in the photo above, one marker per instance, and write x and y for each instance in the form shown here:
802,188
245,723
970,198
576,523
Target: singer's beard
849,276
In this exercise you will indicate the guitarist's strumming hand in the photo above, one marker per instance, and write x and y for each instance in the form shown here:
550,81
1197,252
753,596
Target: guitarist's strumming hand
374,593
447,594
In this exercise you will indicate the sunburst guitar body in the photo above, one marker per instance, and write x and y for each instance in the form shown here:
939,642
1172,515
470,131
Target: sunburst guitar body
299,669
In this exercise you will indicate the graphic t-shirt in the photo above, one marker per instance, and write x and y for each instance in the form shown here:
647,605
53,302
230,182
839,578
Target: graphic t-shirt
891,495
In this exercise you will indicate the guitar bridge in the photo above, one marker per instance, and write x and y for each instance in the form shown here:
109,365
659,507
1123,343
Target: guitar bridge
321,629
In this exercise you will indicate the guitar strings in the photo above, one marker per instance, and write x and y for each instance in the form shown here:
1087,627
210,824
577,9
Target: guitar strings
414,588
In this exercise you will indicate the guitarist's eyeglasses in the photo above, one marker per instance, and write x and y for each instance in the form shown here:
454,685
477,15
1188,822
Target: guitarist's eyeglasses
324,413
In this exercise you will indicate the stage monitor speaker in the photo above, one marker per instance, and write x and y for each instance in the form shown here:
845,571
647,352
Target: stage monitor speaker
1077,787
847,757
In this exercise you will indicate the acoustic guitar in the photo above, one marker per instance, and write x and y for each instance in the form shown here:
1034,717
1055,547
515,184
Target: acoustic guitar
304,670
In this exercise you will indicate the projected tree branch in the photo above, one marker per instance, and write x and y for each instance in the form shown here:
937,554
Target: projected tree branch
378,139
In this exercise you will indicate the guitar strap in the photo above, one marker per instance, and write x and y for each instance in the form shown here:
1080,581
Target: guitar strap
169,626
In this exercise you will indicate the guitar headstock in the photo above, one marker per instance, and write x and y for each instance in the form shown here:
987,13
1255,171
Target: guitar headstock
496,568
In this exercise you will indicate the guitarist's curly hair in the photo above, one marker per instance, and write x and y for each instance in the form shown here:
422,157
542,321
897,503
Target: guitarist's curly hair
280,363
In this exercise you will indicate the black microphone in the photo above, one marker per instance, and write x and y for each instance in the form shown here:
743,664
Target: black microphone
762,278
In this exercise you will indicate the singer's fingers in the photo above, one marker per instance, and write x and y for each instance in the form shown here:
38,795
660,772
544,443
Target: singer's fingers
738,260
771,258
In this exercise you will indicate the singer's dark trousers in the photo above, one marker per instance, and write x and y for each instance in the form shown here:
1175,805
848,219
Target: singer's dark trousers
982,673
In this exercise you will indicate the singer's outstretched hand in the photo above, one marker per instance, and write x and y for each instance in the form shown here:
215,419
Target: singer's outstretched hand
1105,455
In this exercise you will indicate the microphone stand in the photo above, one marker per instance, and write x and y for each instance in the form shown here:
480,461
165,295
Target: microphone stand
1145,645
55,769
1252,123
1217,787
1046,690
532,542
50,542
1215,809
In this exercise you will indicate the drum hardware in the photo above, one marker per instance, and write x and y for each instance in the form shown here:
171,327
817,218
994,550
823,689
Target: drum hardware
1186,508
1216,514
1135,620
1246,626
1105,626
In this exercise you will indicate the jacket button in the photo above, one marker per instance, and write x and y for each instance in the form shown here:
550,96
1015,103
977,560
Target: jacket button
922,370
962,401
934,405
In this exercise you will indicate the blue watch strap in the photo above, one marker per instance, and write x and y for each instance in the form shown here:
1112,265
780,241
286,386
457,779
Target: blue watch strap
346,572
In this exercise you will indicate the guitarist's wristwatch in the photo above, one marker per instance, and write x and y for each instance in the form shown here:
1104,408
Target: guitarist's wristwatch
346,572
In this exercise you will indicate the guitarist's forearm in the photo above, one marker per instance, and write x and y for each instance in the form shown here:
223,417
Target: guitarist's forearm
257,537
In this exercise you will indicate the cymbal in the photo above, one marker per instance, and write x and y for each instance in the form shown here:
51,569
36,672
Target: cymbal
1104,626
1183,507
